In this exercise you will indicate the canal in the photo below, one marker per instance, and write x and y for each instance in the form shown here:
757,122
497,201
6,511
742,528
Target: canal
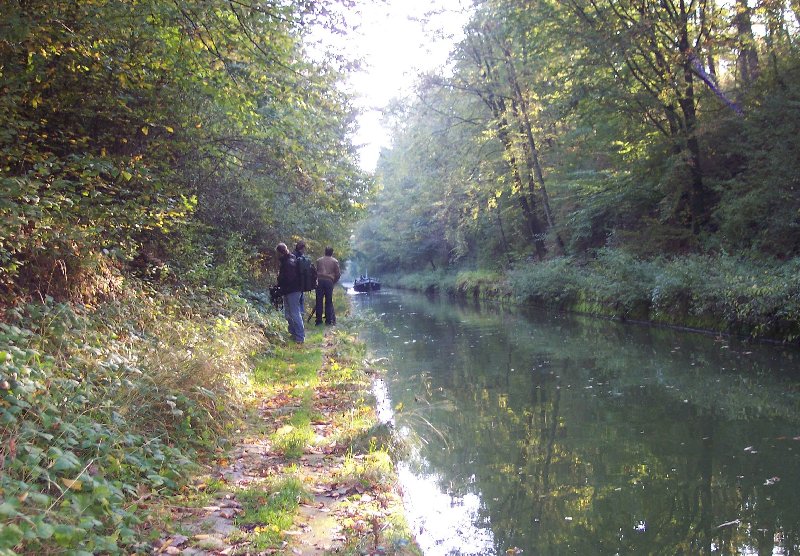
544,433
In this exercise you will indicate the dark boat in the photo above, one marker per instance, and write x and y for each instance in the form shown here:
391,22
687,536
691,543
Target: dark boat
366,284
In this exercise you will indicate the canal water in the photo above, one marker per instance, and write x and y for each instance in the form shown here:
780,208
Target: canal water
541,433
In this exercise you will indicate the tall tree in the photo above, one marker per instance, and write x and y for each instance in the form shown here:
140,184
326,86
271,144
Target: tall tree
650,47
747,60
480,52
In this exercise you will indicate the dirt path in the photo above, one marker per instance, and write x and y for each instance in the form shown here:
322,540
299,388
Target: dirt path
348,505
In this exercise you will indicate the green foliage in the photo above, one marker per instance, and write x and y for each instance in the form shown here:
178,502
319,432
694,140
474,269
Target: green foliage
479,283
426,281
664,138
220,262
271,511
101,407
759,299
557,281
128,127
759,209
620,282
723,293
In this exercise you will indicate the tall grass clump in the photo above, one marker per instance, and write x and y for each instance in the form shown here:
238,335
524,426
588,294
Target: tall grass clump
620,282
481,283
755,298
100,407
556,282
272,511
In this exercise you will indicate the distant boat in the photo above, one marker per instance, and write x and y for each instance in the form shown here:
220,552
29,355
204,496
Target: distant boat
366,284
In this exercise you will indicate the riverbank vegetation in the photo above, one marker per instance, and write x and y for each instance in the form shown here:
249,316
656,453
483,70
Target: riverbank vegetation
628,159
103,409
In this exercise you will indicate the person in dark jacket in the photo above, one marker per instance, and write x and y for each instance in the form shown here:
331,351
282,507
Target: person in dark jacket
299,251
289,282
328,273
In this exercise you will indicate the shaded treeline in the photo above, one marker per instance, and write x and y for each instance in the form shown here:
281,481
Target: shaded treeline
572,130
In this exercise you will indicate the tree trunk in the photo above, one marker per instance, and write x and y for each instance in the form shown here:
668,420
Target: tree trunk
502,232
532,221
531,151
687,103
497,106
747,61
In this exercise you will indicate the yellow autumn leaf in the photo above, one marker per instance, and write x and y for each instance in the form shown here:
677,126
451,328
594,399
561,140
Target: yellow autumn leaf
74,484
169,129
145,131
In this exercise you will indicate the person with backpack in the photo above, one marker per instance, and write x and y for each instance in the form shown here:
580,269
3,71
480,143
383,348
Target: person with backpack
328,273
299,252
307,274
289,282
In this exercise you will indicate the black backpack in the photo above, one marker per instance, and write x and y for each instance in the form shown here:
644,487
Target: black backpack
306,273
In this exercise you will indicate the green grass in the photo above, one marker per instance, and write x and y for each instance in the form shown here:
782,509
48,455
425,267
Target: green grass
292,364
293,370
271,511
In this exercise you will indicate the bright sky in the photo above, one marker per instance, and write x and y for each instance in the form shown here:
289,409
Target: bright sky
397,39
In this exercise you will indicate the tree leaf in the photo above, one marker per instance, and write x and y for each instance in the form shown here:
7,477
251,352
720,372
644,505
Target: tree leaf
74,484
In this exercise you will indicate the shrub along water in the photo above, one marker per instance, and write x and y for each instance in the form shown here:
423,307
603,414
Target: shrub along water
101,408
719,293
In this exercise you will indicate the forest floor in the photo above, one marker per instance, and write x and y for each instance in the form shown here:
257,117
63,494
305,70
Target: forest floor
309,472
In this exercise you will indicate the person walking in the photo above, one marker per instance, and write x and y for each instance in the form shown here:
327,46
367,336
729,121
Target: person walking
300,251
289,282
328,273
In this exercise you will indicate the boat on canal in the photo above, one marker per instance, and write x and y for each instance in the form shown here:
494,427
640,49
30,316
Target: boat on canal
366,284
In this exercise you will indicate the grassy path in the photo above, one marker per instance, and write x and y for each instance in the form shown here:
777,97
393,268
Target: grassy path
310,472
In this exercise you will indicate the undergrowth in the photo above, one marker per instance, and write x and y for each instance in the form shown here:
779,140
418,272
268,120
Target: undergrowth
102,408
719,292
722,292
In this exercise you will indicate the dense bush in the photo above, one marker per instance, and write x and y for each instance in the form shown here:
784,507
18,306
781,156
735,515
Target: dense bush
724,293
621,282
101,407
555,282
479,283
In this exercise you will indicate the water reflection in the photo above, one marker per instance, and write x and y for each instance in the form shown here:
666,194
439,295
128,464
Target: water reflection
562,435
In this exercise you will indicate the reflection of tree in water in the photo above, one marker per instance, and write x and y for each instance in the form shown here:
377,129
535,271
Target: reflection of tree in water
593,438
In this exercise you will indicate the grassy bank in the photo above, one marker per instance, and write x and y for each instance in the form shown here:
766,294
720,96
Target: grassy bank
108,412
104,407
720,293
